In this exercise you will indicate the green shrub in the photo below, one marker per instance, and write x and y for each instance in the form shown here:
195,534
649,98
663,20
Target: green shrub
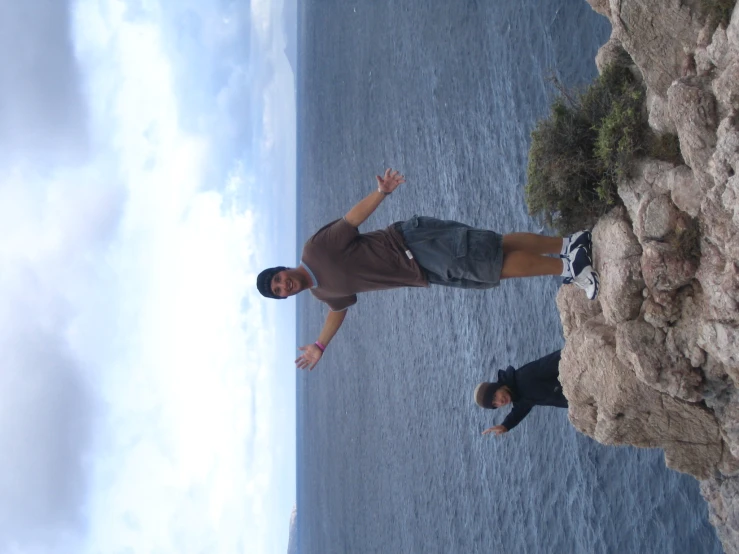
586,145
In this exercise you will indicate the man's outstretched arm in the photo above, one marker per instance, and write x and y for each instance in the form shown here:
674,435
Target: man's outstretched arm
365,207
311,352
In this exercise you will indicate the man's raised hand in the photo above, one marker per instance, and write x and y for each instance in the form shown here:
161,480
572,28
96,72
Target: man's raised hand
390,181
309,358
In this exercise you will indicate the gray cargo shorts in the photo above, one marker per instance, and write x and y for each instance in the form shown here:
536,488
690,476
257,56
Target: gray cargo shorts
454,254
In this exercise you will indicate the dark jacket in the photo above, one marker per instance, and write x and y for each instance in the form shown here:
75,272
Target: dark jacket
534,384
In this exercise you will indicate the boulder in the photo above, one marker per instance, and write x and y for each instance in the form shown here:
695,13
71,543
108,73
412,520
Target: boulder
642,347
656,217
574,308
683,189
665,268
610,403
617,256
693,109
612,52
656,34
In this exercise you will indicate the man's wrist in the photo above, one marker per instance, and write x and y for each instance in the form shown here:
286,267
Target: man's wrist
383,192
320,345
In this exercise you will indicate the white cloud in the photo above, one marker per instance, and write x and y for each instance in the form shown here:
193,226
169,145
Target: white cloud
137,401
40,94
262,14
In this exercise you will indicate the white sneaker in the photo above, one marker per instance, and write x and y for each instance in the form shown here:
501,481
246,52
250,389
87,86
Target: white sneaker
583,274
581,238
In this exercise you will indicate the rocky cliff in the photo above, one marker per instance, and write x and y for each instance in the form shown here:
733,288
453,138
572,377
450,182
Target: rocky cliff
654,362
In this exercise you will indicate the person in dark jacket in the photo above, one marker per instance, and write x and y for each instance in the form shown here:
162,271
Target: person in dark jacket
534,384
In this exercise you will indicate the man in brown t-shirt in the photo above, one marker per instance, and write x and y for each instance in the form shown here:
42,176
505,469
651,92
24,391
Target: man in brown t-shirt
344,262
338,261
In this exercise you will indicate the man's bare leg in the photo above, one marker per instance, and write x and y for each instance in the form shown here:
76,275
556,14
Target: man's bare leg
524,264
524,255
531,243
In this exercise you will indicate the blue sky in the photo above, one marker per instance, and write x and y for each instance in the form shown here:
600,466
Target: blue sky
147,397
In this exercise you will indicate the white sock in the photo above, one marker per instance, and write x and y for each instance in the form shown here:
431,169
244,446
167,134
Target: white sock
565,246
566,271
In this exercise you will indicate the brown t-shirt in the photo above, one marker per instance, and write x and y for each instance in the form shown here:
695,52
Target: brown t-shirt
345,262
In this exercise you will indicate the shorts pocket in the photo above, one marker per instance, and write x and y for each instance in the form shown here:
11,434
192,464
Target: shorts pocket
482,245
460,243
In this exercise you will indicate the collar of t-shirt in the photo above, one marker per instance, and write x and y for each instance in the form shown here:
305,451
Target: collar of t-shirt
312,275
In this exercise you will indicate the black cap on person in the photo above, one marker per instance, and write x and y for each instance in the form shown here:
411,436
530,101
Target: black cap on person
485,393
264,282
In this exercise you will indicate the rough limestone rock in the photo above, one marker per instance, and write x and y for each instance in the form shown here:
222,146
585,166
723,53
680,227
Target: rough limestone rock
665,269
726,408
574,308
610,403
656,33
617,259
726,87
693,109
656,217
643,348
719,52
718,277
682,334
660,119
654,361
683,189
722,494
732,31
722,342
612,52
723,169
648,175
601,6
